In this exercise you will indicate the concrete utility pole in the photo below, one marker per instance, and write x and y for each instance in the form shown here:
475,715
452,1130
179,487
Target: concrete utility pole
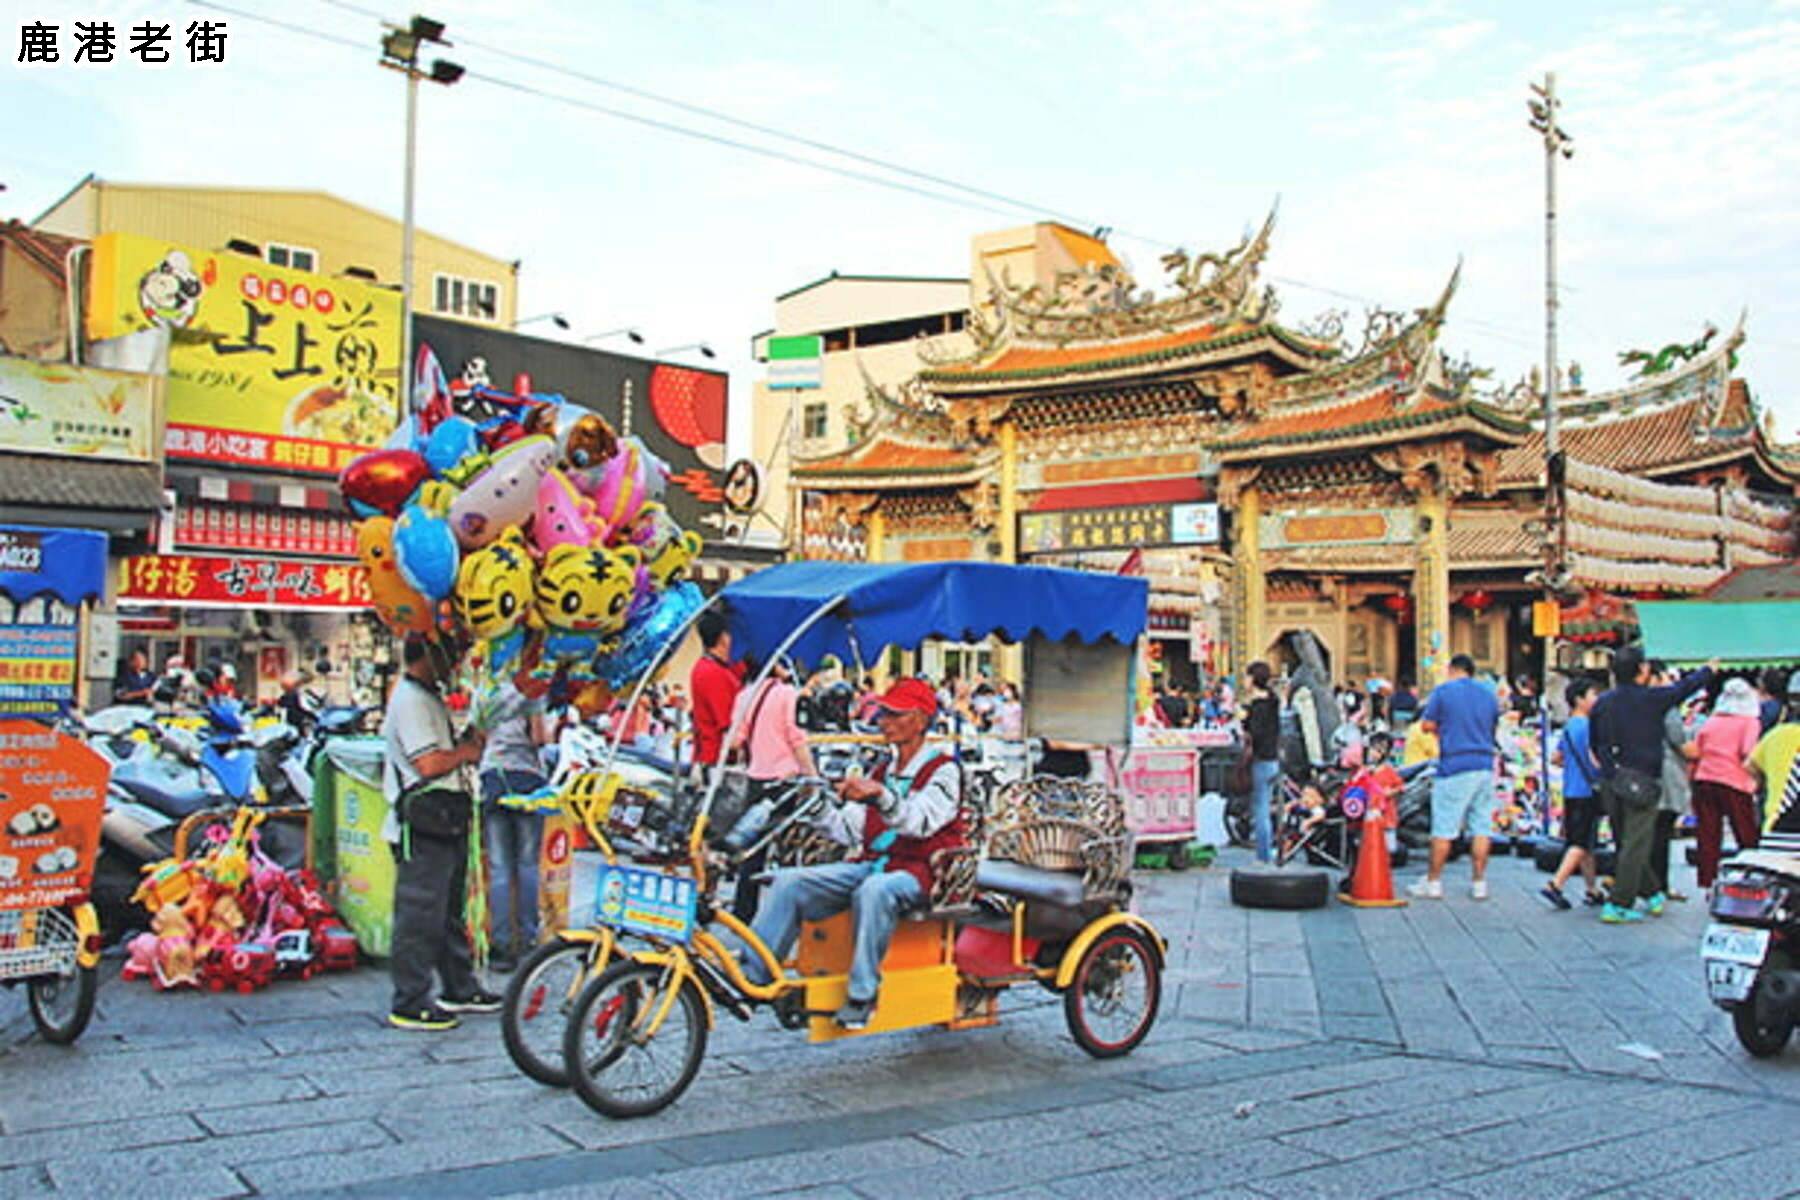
1543,106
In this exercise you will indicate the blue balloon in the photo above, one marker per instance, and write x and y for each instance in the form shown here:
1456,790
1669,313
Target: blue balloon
426,552
645,638
455,439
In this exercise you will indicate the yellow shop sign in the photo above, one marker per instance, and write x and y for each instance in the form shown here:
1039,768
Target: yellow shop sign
268,367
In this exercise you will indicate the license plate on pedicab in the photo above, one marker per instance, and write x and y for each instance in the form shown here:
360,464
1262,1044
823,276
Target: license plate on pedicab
648,903
1732,955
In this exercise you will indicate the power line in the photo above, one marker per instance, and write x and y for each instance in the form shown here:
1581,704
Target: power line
1498,332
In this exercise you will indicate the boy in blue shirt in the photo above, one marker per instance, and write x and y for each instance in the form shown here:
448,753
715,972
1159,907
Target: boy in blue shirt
1581,803
1462,713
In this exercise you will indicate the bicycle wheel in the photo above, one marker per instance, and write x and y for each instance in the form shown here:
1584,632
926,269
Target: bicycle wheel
535,1011
61,1005
615,1069
1112,1001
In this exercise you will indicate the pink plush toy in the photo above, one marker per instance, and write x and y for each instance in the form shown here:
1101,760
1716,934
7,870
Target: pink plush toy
142,961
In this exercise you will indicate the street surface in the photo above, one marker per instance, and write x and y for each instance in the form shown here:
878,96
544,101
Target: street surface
1445,1049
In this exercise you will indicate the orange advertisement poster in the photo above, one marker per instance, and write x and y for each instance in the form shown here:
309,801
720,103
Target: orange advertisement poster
52,796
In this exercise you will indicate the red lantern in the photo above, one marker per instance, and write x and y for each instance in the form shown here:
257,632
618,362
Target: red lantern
1398,604
1478,601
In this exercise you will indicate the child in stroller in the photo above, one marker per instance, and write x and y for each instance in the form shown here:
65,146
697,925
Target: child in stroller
1322,816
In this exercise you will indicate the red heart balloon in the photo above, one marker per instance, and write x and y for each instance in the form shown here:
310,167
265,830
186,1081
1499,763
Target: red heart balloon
385,479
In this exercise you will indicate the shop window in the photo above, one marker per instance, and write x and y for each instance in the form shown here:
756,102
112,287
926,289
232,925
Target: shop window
297,257
815,422
460,297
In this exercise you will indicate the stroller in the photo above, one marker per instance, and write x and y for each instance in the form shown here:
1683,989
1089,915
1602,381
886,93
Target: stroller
1322,817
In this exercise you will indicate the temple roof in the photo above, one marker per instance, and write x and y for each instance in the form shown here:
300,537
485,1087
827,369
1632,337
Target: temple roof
884,457
1384,416
1034,363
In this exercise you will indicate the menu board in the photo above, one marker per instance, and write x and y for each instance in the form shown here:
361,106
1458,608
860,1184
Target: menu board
52,797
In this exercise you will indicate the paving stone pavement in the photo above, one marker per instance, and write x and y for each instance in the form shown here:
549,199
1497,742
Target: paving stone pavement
1449,1048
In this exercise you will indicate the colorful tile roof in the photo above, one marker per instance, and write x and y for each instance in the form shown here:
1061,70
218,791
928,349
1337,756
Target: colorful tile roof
887,456
1659,439
1040,362
1371,416
1496,542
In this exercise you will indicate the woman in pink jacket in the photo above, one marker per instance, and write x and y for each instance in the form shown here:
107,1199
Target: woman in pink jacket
776,751
1723,788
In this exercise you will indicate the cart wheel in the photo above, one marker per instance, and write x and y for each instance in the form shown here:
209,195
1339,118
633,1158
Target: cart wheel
1112,1000
535,1013
617,1071
61,1005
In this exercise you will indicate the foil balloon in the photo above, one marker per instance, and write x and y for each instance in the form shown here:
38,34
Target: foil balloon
494,587
426,552
638,648
583,438
564,517
503,495
382,481
618,486
582,596
668,549
405,435
453,443
400,606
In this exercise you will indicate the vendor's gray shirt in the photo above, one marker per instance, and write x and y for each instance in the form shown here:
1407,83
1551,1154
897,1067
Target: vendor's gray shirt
416,723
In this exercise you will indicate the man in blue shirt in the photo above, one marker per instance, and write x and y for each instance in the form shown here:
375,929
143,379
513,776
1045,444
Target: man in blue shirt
1581,803
1462,713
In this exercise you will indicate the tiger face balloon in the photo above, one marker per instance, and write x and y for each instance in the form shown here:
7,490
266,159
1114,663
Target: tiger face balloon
494,586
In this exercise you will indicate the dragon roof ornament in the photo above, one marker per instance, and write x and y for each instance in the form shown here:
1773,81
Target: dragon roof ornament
1395,351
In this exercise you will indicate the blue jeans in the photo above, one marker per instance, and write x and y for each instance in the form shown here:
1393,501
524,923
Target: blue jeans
1263,774
513,839
814,893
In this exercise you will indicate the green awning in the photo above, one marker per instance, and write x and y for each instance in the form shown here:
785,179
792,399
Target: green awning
1737,633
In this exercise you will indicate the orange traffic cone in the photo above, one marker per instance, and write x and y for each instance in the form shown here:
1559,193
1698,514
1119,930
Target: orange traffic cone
1372,886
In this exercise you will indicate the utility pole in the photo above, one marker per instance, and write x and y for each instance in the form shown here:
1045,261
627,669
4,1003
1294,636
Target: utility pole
400,52
1543,106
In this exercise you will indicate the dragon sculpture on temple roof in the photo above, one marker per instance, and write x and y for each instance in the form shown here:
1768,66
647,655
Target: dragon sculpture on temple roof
1660,361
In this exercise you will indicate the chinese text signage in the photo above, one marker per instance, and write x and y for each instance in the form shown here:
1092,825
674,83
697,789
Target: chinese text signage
53,408
648,903
52,794
37,668
268,367
96,43
242,582
1119,528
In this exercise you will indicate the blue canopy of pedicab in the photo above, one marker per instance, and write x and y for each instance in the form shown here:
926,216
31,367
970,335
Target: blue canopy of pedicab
907,604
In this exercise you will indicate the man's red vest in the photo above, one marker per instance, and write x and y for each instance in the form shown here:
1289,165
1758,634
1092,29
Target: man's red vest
911,854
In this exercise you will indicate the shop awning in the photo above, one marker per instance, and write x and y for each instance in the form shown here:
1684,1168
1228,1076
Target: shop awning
1740,633
70,564
904,605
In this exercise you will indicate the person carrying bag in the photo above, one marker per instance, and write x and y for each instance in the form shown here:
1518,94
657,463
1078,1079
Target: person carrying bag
430,811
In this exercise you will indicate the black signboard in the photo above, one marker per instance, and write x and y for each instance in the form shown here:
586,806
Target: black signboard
678,411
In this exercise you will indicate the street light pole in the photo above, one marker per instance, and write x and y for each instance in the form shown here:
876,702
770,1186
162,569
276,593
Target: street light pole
406,237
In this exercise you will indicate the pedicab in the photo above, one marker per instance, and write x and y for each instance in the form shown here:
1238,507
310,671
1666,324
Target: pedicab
1041,896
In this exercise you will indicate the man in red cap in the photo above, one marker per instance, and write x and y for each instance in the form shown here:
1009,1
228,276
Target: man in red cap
900,816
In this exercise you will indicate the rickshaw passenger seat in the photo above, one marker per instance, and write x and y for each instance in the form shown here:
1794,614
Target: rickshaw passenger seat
1059,888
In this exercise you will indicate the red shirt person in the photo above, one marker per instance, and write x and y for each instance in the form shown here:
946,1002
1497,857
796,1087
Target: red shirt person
714,683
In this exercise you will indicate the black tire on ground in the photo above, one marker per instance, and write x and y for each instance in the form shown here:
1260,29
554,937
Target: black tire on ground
62,1005
1524,847
1102,991
1762,1041
1289,889
609,1006
534,1013
1548,855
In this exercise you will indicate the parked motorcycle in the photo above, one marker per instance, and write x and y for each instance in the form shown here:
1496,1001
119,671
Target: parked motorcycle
1751,950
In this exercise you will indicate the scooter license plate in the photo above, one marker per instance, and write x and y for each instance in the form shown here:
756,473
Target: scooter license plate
1729,980
1734,944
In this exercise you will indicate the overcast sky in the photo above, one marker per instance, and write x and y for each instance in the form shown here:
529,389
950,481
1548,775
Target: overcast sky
1396,143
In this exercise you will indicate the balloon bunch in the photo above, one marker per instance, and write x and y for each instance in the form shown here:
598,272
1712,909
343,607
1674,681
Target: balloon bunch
525,524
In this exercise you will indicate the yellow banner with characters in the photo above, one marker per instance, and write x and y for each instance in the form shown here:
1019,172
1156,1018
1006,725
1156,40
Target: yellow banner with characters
268,367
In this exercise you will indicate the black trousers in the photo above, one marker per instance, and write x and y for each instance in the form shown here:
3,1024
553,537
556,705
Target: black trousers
429,933
1659,851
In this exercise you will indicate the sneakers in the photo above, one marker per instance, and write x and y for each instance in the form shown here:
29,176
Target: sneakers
1612,914
1675,897
479,1001
1594,899
1655,904
1426,889
430,1019
855,1014
1478,890
1554,898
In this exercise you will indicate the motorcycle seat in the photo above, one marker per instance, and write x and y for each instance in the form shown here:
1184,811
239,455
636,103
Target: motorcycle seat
1059,888
165,796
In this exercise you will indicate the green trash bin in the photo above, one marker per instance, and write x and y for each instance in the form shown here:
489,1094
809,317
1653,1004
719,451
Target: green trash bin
353,860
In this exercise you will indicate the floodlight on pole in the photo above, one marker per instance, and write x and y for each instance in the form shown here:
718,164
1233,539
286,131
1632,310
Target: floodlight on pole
400,52
555,318
636,336
705,350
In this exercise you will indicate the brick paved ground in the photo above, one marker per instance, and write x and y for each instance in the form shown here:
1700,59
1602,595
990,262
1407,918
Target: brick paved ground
1447,1049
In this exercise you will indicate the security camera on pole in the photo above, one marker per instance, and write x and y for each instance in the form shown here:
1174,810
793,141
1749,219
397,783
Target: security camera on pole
400,52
